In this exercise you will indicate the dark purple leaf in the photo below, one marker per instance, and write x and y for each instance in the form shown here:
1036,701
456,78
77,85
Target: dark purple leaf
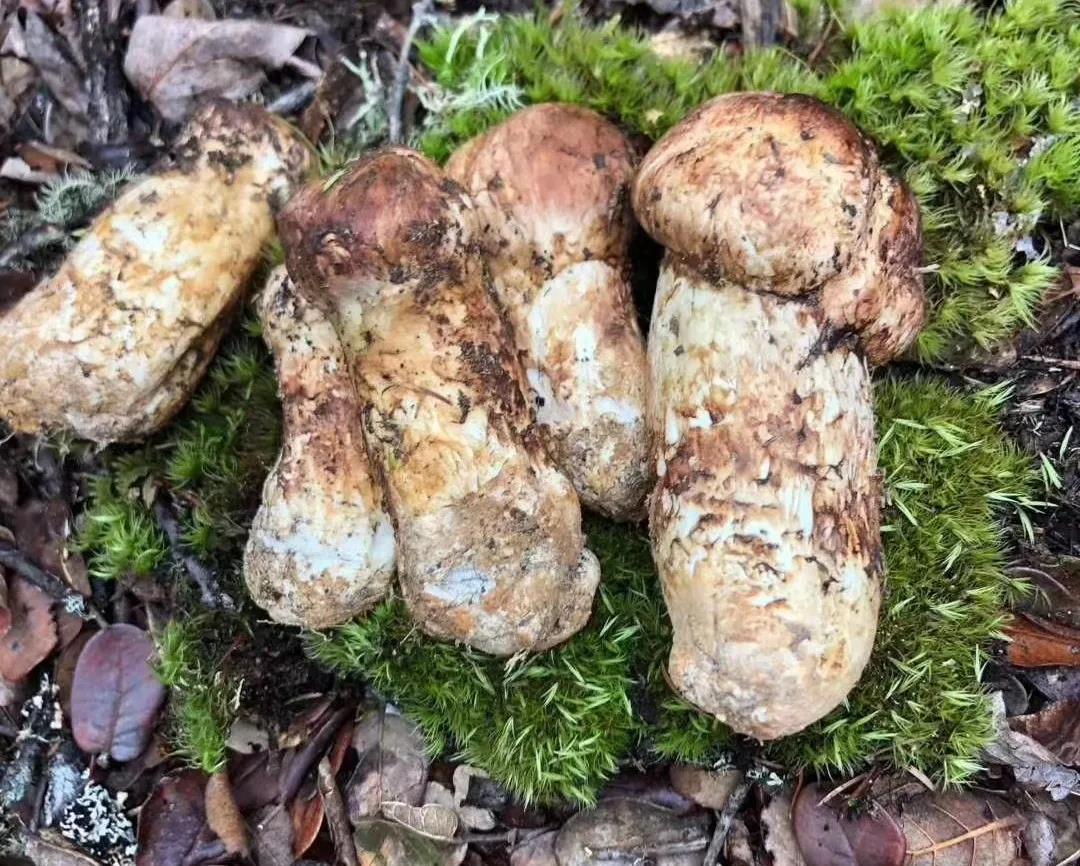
115,697
172,825
832,835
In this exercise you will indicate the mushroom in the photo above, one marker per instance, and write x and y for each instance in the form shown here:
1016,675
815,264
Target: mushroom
791,265
551,188
113,344
490,548
321,548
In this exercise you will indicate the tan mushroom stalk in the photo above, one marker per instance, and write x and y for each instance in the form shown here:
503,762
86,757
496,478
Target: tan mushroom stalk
490,548
321,548
113,344
791,265
552,192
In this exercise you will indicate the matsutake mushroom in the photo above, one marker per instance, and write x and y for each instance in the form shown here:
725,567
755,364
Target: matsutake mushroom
792,264
113,344
321,548
490,547
551,187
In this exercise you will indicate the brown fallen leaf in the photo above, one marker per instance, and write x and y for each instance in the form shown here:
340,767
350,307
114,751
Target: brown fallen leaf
115,694
1052,834
432,820
172,825
55,62
174,62
18,80
42,852
1038,643
5,611
708,788
308,809
631,829
393,765
32,635
832,834
968,829
382,843
223,816
65,668
1056,726
42,529
1034,766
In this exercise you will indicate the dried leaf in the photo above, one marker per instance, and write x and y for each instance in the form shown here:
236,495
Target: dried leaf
308,809
172,824
830,834
392,765
1056,726
382,843
223,816
41,531
65,668
41,852
32,635
960,830
632,829
51,57
1038,644
1032,763
115,696
778,831
5,612
272,833
708,788
1053,830
537,850
433,820
18,80
173,62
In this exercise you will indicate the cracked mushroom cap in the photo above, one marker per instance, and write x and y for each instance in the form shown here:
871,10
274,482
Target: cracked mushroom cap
782,193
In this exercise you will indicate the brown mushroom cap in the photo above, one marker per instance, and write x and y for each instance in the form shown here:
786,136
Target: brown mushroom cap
781,193
394,214
560,174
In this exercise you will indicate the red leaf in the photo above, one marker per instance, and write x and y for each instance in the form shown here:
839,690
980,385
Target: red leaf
32,635
1035,643
115,697
828,835
172,824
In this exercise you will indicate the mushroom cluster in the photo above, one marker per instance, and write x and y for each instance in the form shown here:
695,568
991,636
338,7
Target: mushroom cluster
461,368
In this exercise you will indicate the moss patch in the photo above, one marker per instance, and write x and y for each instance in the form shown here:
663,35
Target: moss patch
978,112
558,725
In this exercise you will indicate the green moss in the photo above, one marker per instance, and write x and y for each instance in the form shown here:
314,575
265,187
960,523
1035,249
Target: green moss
201,705
978,112
952,477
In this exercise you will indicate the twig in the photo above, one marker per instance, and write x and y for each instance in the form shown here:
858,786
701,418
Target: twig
1063,363
11,557
293,777
1000,824
30,242
336,816
213,596
421,14
723,822
1072,858
294,99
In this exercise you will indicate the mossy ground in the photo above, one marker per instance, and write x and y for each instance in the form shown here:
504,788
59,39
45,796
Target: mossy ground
977,113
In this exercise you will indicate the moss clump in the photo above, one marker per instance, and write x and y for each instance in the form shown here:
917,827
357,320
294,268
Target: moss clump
977,110
558,725
550,725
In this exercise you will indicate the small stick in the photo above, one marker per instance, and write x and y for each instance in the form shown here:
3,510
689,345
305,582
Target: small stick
291,780
336,816
1064,363
212,594
1000,824
421,13
724,820
11,557
294,99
